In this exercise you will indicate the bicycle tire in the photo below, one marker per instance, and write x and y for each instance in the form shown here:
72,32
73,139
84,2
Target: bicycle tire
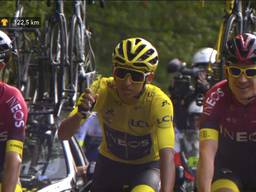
65,74
249,19
75,54
58,60
88,69
228,28
54,60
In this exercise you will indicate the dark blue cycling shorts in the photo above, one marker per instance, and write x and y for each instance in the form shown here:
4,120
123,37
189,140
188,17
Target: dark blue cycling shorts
113,176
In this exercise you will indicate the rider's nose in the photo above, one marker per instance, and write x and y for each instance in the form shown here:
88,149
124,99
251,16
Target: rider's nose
242,78
128,79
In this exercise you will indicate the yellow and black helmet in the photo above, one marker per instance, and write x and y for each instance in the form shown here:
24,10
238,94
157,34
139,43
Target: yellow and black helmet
136,53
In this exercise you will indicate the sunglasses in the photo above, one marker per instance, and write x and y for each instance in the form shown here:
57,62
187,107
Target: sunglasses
136,76
249,72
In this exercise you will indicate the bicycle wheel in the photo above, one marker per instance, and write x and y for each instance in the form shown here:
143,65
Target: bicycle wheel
249,19
231,27
76,54
87,70
58,59
55,52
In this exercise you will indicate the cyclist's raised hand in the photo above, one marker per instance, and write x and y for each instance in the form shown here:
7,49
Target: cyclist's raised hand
70,125
86,101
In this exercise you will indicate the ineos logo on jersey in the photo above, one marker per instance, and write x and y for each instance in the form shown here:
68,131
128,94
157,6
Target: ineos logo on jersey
17,112
3,136
137,123
239,136
212,99
127,146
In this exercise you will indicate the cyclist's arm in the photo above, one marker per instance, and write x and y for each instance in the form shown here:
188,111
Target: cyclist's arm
69,126
72,123
167,169
16,120
208,149
11,171
166,139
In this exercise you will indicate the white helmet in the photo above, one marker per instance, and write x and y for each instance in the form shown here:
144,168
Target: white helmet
204,56
5,46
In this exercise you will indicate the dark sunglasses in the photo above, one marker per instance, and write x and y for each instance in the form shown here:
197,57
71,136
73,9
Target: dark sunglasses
234,71
136,76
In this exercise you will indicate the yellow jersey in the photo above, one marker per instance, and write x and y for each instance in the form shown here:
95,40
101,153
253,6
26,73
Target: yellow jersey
133,133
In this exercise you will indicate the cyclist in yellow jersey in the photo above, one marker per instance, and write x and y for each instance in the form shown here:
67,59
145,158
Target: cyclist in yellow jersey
137,122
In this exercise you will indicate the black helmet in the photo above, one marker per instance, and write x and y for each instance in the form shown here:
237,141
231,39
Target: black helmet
241,49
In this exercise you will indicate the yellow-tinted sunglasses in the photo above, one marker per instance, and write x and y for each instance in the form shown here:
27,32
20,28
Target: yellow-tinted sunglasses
234,71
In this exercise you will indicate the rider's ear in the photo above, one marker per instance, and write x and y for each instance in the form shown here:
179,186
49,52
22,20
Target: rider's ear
150,78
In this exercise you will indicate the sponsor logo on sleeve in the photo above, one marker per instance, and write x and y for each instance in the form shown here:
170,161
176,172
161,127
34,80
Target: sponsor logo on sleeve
16,110
164,121
3,136
212,99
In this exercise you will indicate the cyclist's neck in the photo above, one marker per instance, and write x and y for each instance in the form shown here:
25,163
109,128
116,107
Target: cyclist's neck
130,100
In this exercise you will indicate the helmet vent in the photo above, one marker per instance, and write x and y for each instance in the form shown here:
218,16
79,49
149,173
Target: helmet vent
128,49
153,61
139,49
146,55
149,52
141,65
120,50
137,41
120,60
132,55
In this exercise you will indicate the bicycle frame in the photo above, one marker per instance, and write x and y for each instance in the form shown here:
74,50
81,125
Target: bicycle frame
79,40
58,57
